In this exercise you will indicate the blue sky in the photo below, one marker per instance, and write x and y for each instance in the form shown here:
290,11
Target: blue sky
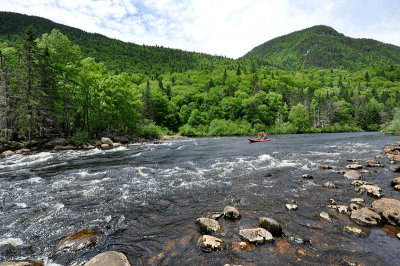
221,27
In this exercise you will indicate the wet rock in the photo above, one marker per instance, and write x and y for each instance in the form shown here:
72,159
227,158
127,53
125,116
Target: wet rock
79,241
398,235
354,230
395,168
357,183
97,143
20,151
209,243
354,166
55,142
231,212
109,258
332,201
373,163
268,175
105,146
395,181
22,263
59,148
354,207
340,208
365,171
256,235
394,157
325,216
307,176
389,209
325,167
241,245
397,187
342,172
291,207
116,144
378,156
372,190
270,225
357,200
330,185
366,216
105,140
207,225
391,149
352,174
353,160
6,153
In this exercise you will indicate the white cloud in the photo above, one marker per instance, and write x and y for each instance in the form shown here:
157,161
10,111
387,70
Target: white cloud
223,27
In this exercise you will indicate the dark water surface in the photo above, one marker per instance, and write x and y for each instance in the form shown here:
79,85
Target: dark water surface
144,199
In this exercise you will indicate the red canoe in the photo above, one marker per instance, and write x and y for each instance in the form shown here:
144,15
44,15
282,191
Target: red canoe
259,140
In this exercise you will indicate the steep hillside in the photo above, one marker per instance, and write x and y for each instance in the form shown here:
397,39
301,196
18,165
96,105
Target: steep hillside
117,55
324,47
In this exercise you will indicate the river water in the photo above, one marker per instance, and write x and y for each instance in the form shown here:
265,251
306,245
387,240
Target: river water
144,200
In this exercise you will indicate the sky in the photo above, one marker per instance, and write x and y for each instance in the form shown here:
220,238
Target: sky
219,27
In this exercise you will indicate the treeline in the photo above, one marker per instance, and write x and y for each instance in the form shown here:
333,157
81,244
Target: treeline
47,88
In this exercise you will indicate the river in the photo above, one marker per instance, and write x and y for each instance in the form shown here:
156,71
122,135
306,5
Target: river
145,198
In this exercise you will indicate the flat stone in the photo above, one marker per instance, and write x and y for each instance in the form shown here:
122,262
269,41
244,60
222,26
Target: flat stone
365,216
325,167
357,200
116,144
207,225
209,243
325,216
307,176
105,146
394,157
109,258
6,153
79,241
354,166
373,163
352,174
357,183
330,185
389,209
270,225
372,190
22,263
291,207
231,212
256,235
354,230
20,151
365,171
391,149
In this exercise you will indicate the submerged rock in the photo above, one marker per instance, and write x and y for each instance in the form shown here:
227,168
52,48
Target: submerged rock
291,207
330,185
357,183
352,174
207,225
325,167
256,235
209,243
109,258
373,163
354,166
307,176
270,225
389,209
325,216
231,212
79,241
372,190
354,230
22,263
365,216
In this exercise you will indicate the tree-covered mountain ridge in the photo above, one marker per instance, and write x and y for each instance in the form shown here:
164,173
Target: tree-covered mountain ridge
323,47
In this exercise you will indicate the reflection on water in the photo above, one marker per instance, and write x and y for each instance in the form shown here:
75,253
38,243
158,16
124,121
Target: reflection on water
144,199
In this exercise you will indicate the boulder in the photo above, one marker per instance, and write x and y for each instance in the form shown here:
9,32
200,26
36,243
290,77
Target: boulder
373,163
116,144
6,153
307,176
397,187
395,168
391,149
20,151
330,185
291,207
209,243
256,235
231,212
372,190
325,216
389,209
22,263
354,166
365,216
56,142
395,181
394,157
352,174
105,146
207,225
109,258
79,241
354,230
325,167
105,140
270,225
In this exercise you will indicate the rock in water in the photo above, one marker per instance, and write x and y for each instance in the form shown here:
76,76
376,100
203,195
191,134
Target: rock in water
22,263
389,209
209,243
291,207
56,142
373,163
307,176
393,157
6,153
395,181
207,225
357,183
354,230
256,235
106,141
109,258
395,168
78,241
372,190
357,200
270,225
354,166
325,167
325,216
231,212
353,174
365,216
330,185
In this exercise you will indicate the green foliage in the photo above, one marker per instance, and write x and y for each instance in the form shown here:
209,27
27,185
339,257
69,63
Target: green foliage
299,118
393,127
78,138
149,131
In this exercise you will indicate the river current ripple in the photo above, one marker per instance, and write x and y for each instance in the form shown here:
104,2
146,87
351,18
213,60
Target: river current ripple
145,198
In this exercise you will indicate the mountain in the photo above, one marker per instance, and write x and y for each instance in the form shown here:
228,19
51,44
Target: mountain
117,55
324,47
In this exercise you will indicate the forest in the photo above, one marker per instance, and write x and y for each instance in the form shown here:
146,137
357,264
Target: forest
49,87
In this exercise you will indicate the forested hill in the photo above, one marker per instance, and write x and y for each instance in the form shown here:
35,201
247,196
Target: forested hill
323,47
117,55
